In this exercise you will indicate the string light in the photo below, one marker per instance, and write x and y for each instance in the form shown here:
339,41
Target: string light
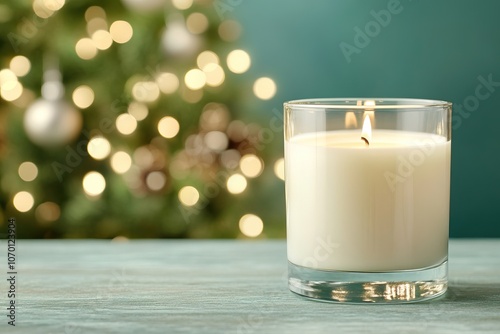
85,48
27,171
279,168
121,162
93,183
189,196
83,96
236,184
251,165
167,82
138,110
264,88
168,127
195,79
23,201
126,124
238,61
20,65
251,225
99,148
121,31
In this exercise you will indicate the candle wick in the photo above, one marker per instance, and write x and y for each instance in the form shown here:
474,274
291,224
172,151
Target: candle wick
365,140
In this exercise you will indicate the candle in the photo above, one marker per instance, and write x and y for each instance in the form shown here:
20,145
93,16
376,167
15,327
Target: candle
374,208
367,207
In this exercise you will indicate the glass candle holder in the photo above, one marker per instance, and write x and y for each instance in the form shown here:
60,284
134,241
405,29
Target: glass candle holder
367,198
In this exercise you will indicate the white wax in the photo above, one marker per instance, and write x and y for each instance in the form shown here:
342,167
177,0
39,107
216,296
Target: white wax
377,208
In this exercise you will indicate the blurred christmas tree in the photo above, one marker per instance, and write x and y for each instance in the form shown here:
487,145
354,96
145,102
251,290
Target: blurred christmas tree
123,119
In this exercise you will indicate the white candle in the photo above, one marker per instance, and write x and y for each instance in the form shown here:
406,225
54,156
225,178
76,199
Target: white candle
353,207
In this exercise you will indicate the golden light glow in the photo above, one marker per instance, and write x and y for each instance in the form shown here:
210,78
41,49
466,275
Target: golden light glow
264,88
143,157
197,23
121,162
168,82
121,31
168,127
11,90
238,61
47,212
138,110
99,148
251,165
102,39
279,168
83,96
370,112
53,5
126,124
156,180
192,96
350,120
251,225
86,49
195,79
216,141
27,171
189,196
41,9
229,30
93,183
145,91
236,184
182,4
366,131
7,76
20,65
94,12
95,24
230,158
214,75
205,58
23,201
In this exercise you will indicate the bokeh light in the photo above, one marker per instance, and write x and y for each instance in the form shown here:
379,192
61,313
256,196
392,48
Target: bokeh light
93,183
156,180
20,65
168,127
214,75
182,4
23,201
195,79
167,82
102,39
126,124
229,30
138,110
146,91
11,91
251,225
94,12
85,48
121,31
121,162
205,58
83,96
279,168
216,141
47,212
99,148
197,23
189,196
27,171
264,88
236,184
251,165
238,61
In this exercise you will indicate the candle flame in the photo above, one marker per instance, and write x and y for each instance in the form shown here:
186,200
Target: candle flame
350,120
369,111
366,131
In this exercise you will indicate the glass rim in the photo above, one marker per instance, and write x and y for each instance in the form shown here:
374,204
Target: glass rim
359,103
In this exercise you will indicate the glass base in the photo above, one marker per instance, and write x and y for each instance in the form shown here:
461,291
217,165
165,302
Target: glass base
405,286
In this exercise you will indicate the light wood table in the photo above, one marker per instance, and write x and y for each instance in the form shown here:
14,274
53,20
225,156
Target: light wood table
219,286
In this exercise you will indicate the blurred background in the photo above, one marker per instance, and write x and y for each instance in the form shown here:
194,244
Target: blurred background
163,118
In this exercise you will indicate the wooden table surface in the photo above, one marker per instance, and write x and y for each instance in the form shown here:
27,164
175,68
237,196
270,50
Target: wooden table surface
214,286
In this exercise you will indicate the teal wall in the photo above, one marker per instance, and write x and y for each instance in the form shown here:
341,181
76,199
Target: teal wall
429,49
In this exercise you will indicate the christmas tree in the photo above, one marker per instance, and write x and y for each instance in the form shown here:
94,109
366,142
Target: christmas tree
132,119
